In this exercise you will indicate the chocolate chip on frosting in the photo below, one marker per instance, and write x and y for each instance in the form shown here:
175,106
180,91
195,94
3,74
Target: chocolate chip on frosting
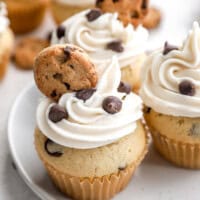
93,14
124,88
52,148
115,46
112,104
57,113
85,94
60,32
168,48
186,87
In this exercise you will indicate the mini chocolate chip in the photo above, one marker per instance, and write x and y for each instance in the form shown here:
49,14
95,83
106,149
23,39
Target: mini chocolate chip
121,168
168,48
60,31
67,85
124,88
58,76
144,4
147,109
93,14
135,14
85,94
67,52
71,66
186,87
115,46
112,104
53,94
57,113
52,148
49,36
98,2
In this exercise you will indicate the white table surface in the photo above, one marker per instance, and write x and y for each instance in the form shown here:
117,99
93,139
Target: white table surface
177,19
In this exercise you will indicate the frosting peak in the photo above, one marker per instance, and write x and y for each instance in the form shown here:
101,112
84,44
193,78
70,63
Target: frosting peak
165,75
94,36
4,22
88,124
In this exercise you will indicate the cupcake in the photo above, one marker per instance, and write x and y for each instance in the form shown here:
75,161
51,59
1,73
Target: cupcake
6,40
90,141
25,15
63,9
171,94
103,36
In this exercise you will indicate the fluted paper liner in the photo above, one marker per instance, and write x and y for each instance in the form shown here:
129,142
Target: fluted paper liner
182,154
26,18
97,188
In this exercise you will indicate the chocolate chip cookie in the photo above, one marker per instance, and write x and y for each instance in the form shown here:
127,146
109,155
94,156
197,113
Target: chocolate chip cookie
26,51
63,68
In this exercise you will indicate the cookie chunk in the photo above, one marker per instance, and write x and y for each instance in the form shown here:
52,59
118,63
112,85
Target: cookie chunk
152,19
63,68
132,11
26,51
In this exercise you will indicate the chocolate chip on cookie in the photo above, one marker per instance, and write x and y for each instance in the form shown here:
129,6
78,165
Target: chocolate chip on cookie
63,68
168,47
85,94
115,46
26,51
112,104
186,87
57,113
52,148
93,14
124,88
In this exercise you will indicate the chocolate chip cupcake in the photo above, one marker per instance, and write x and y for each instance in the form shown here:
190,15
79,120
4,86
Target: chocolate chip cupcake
170,91
26,15
103,36
91,140
63,9
6,40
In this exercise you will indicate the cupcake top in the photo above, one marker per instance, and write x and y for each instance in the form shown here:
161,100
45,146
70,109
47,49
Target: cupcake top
102,36
171,78
77,2
94,117
4,22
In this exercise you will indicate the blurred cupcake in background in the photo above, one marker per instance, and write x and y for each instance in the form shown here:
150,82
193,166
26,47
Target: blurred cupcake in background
6,40
25,15
171,93
63,9
102,36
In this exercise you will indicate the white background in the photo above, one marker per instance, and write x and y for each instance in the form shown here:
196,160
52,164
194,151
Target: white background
178,16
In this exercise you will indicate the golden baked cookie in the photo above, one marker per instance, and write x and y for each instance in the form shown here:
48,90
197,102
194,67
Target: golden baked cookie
176,138
63,68
26,51
25,15
111,165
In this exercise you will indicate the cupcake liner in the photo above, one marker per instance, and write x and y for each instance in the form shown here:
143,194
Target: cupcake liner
182,154
62,11
25,18
95,188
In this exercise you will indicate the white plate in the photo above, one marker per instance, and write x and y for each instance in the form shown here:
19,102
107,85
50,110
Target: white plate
155,179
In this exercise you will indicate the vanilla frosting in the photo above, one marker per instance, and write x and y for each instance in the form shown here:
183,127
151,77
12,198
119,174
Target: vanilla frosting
4,22
89,125
162,75
77,2
94,36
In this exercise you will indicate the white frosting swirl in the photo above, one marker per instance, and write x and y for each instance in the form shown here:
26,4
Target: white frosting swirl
4,22
77,2
162,75
94,36
89,125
